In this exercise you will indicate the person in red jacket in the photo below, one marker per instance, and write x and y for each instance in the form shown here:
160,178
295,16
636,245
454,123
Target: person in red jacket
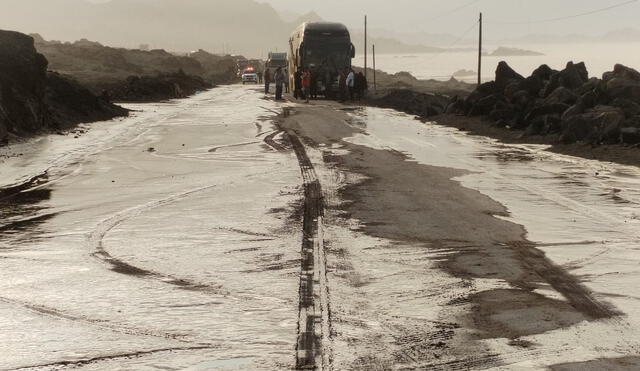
306,83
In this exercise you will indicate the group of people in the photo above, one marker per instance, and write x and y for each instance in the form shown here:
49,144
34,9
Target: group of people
279,78
351,86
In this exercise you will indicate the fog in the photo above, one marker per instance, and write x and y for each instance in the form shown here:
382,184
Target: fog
436,16
254,27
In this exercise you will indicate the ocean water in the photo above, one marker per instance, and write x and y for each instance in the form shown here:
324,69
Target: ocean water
599,58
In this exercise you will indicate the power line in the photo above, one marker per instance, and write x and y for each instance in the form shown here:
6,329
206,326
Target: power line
455,10
571,16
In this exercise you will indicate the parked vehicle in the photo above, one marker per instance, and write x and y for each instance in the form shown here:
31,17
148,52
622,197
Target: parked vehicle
249,75
276,60
326,49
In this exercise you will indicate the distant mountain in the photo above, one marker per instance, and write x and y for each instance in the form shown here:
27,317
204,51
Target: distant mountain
241,26
621,35
513,52
235,26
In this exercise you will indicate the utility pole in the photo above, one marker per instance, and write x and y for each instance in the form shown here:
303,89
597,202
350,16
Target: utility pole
480,54
365,46
375,85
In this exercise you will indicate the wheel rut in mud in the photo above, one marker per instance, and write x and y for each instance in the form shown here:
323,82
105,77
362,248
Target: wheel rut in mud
313,317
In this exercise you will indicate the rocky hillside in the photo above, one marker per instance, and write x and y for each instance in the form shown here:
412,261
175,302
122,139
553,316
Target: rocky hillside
566,104
105,69
31,100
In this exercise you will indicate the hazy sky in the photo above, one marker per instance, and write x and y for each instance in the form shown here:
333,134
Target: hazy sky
434,16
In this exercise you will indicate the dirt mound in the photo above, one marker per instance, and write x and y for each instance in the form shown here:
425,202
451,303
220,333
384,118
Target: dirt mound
32,100
101,68
156,88
69,103
566,104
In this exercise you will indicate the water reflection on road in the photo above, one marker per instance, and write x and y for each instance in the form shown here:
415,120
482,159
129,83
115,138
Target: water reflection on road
170,247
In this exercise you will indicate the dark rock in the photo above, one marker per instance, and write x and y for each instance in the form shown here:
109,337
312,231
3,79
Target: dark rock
502,114
589,99
572,77
622,72
411,102
521,99
547,109
543,72
483,106
630,135
532,85
576,109
595,127
582,71
504,75
561,95
629,107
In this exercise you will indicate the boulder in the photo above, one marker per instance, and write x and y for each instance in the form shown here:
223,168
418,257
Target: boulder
596,126
630,135
618,87
589,99
561,95
629,107
547,109
543,72
622,72
505,75
484,105
533,85
576,109
572,78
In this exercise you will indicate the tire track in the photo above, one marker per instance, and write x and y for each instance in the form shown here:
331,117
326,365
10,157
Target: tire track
101,324
113,357
120,266
314,326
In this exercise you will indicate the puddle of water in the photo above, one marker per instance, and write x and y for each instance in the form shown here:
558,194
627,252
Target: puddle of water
583,214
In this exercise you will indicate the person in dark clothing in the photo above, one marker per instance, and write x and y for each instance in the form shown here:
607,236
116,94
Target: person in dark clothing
361,85
342,86
267,80
297,92
314,84
279,78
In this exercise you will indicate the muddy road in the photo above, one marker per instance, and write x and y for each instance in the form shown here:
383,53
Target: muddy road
227,231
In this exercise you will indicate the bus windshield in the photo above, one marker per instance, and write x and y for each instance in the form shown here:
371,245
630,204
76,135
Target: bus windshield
335,54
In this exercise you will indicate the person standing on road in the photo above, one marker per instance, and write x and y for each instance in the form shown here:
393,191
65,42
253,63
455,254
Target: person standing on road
279,80
361,85
342,86
306,84
351,81
297,85
267,80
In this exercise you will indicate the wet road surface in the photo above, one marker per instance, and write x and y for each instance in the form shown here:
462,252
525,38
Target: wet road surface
218,233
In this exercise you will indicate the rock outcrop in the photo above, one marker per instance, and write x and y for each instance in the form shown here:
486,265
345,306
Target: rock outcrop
31,100
565,103
23,75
